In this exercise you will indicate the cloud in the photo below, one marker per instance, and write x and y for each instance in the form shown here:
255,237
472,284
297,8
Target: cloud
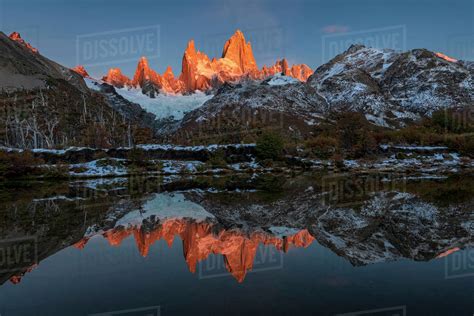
332,29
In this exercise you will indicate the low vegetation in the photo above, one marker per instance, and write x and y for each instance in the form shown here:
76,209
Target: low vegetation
63,116
269,146
16,165
342,136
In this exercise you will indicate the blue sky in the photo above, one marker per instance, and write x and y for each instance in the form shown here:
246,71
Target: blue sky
302,31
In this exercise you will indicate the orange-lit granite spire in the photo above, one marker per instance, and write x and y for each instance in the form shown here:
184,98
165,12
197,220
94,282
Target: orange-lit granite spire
116,78
240,52
81,70
196,69
199,72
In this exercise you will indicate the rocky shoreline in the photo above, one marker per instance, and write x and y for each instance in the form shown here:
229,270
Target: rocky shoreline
75,162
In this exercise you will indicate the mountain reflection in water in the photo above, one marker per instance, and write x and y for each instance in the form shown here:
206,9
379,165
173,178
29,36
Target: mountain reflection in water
239,221
201,239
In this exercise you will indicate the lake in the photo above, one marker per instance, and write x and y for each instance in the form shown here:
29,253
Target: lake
287,244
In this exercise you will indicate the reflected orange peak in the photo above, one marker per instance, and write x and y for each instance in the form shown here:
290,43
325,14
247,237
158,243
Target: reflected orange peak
448,252
200,241
446,57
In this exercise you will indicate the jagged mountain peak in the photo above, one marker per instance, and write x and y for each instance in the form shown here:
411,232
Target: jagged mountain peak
239,51
17,38
81,70
116,78
190,48
23,67
199,72
143,73
168,72
355,47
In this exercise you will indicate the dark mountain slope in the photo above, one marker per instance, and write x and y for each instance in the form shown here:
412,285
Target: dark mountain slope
44,104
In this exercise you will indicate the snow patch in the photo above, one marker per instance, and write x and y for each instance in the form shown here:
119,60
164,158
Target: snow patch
166,105
92,84
99,168
165,206
279,80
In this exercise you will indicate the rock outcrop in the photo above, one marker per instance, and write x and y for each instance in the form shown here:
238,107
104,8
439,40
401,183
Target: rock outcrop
22,67
56,107
201,73
81,70
196,69
116,78
17,38
240,52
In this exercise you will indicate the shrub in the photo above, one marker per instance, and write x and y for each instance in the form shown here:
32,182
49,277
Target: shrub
452,121
322,146
57,172
270,183
217,159
338,161
105,162
201,168
462,144
269,146
355,135
137,157
17,164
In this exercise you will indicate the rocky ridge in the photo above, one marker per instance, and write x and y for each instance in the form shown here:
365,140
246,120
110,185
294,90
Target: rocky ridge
199,72
390,88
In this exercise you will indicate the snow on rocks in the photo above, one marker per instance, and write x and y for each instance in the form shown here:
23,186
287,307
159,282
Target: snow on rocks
165,206
166,105
177,167
99,168
279,79
210,148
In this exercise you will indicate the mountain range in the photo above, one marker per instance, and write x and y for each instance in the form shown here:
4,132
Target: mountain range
390,88
201,73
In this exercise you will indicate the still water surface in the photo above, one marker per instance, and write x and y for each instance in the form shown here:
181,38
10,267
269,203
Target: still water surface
205,247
